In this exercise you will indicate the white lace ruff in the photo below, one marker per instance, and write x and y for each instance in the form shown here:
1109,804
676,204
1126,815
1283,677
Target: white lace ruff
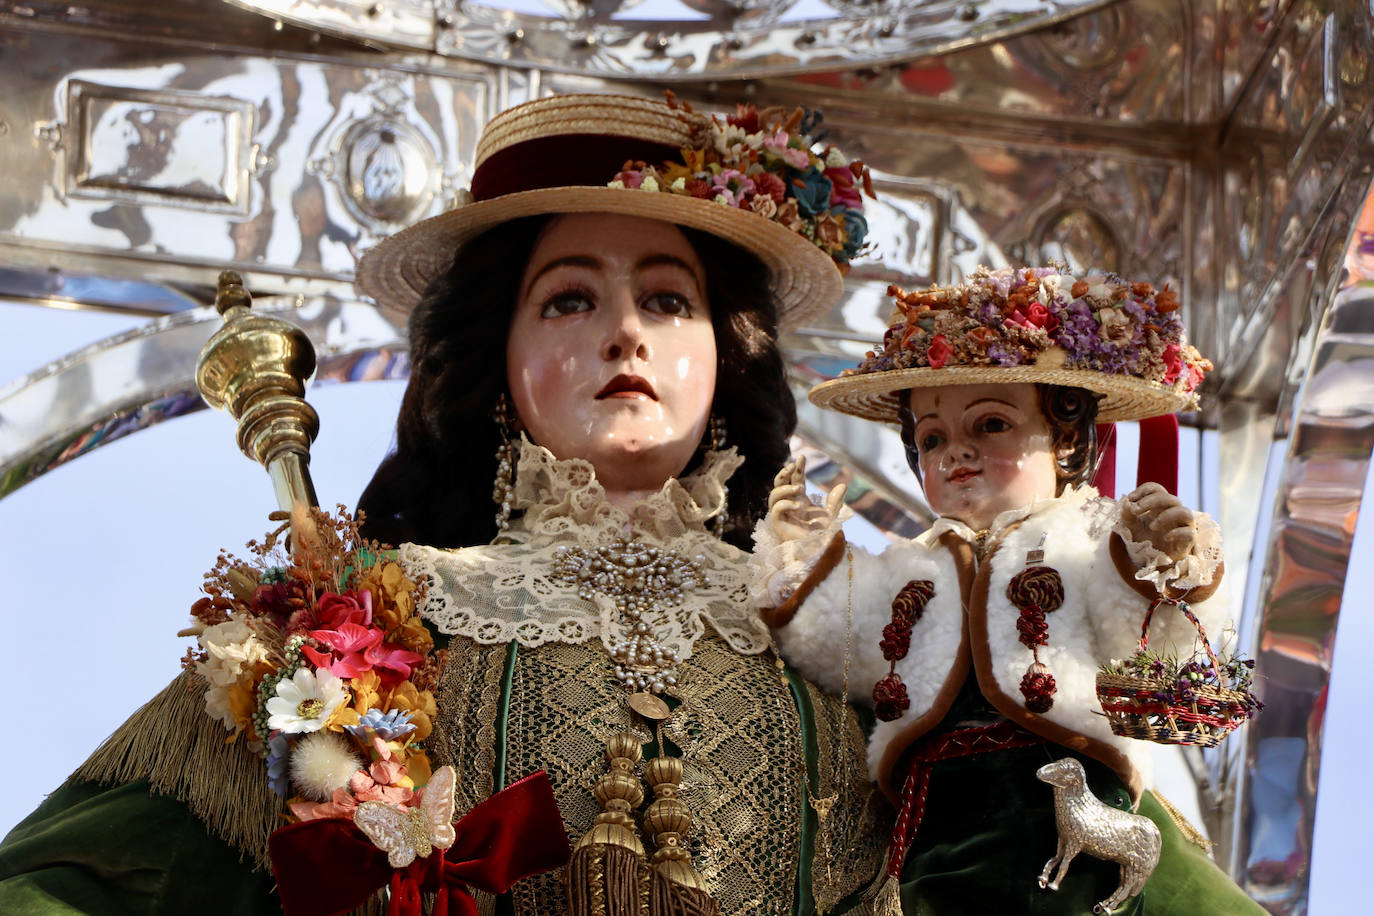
504,592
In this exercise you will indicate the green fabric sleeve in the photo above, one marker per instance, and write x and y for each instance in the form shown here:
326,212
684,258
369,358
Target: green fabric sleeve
92,849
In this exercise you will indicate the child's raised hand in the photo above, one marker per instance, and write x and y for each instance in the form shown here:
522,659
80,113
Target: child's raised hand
791,513
1151,513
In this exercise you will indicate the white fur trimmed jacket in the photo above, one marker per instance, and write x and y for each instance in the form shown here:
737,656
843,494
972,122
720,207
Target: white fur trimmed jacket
1108,580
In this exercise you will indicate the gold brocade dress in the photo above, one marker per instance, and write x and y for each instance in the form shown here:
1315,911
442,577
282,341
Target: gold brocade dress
531,683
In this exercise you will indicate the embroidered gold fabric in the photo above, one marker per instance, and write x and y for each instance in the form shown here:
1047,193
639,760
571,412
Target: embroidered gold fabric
464,736
736,726
852,839
739,733
506,592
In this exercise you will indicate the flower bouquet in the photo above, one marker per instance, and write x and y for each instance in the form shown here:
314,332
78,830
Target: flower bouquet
766,162
1159,697
315,658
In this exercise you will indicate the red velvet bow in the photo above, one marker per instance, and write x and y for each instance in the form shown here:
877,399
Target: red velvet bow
328,866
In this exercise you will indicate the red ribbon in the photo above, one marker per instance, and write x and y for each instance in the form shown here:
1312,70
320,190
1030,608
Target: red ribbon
1157,459
329,866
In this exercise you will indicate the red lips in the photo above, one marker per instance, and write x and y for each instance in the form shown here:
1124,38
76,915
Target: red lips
959,475
627,386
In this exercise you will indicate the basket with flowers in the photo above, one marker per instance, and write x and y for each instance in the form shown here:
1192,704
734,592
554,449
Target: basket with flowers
1159,697
314,657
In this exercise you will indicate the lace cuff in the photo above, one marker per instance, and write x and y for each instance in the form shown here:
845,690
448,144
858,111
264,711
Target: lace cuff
777,568
1195,570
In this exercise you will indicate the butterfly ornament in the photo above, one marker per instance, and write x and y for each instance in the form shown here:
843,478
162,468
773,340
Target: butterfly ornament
407,834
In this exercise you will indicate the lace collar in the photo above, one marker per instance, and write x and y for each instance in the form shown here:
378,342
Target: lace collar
1070,497
558,495
509,591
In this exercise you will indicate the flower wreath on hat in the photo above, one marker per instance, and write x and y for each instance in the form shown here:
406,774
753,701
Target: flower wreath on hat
764,162
1124,341
758,180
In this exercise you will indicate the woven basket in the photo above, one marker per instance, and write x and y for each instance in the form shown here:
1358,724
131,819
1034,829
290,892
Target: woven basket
1134,710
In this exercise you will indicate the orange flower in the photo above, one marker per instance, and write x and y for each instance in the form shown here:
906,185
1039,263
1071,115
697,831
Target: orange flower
419,703
241,704
1166,300
366,692
418,768
981,336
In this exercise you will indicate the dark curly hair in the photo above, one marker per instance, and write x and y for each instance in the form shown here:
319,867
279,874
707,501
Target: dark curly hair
1071,414
435,486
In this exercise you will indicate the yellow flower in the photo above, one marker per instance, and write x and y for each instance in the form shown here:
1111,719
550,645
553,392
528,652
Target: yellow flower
366,692
673,171
241,704
418,769
419,703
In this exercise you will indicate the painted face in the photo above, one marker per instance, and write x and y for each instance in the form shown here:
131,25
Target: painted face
611,355
983,449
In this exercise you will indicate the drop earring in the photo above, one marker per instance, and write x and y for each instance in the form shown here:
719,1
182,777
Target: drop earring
716,432
503,490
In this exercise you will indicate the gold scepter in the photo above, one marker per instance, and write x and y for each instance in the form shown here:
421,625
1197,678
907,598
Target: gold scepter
255,366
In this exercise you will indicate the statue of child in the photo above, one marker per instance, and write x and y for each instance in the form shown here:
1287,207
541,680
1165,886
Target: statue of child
978,642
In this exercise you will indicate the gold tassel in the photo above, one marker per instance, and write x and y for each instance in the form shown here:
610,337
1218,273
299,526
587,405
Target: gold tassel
668,898
889,902
182,752
605,879
1185,827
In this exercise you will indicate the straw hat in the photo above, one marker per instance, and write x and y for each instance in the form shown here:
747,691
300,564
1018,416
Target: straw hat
1121,340
747,179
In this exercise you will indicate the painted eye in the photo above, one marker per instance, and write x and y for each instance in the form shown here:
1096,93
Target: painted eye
930,441
569,303
673,305
994,425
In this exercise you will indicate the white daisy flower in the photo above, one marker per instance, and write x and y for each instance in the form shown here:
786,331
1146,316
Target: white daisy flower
305,702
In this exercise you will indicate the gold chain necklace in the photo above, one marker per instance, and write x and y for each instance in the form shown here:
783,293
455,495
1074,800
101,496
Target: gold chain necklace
824,805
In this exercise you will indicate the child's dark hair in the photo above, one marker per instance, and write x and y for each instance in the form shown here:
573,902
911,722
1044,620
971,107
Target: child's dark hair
1072,417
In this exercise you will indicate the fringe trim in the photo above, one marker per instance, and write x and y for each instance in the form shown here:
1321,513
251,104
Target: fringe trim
889,902
1185,827
182,752
606,880
378,904
667,898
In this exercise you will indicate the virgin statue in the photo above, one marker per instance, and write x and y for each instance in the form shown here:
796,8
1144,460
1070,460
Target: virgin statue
593,336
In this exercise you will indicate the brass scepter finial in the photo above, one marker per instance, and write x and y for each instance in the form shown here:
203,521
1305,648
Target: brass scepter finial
255,367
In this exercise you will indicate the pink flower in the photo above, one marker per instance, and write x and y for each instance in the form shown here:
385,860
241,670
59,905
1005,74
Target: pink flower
1173,363
842,192
348,646
939,351
733,185
391,662
1194,378
381,781
777,144
631,179
341,805
333,611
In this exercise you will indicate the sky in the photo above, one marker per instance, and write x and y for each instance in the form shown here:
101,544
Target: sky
101,558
